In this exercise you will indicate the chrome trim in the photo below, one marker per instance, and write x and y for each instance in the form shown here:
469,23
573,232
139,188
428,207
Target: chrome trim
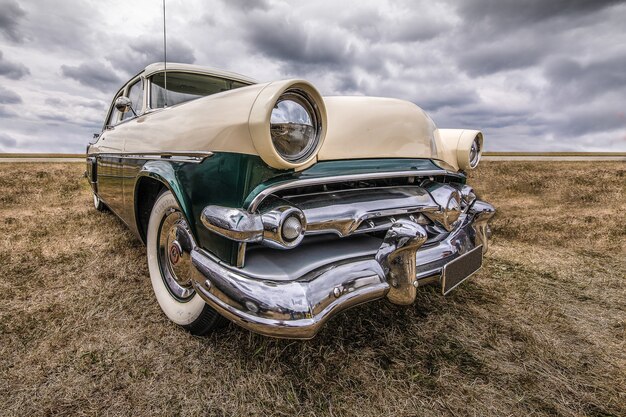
293,309
232,223
295,95
244,227
241,255
254,204
397,257
341,212
483,212
449,200
273,222
361,210
173,254
176,156
467,195
476,149
298,306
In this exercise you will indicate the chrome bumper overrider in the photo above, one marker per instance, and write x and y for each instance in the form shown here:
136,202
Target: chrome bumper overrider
297,307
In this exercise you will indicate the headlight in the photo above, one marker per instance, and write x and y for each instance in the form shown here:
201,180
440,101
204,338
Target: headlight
474,153
469,146
287,124
294,126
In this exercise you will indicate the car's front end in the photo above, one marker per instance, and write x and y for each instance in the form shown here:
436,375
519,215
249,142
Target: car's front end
351,222
340,234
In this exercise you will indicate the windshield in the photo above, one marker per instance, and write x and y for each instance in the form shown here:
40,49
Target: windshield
183,87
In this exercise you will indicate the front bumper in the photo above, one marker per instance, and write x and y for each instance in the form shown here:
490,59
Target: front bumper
298,306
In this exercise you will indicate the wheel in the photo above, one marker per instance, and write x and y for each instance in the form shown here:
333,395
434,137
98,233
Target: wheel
169,263
98,204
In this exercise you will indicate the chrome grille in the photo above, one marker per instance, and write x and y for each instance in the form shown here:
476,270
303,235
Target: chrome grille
368,205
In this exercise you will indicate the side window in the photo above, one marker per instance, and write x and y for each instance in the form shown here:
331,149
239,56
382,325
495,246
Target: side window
135,94
114,116
182,87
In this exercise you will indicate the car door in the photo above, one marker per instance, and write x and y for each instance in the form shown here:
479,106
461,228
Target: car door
109,160
130,163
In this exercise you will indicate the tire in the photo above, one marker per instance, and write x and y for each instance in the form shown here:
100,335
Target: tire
98,204
169,267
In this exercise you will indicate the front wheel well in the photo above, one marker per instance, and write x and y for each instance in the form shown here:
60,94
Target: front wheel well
146,192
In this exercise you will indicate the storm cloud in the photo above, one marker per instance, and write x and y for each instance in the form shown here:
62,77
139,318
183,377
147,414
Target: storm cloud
9,97
10,19
12,70
93,74
534,75
137,54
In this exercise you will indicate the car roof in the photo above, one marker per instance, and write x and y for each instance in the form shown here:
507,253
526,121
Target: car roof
197,69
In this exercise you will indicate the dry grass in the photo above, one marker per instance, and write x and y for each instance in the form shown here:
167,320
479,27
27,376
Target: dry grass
539,331
41,155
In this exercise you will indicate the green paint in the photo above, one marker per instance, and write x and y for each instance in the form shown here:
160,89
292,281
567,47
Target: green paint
233,180
224,179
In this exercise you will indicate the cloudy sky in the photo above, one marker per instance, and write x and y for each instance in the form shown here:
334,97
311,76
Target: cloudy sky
534,75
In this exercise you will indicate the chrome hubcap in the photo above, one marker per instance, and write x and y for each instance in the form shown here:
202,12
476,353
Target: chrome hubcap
174,259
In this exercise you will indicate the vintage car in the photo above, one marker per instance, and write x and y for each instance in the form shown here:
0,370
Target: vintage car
276,208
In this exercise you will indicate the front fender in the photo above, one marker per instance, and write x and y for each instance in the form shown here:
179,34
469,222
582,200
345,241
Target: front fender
164,172
223,179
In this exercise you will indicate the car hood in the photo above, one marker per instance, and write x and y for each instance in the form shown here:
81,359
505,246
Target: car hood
374,127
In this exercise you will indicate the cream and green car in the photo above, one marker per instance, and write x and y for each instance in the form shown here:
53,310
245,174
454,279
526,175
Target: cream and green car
274,207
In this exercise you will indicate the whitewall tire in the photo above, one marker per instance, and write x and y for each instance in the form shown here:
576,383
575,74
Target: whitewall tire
170,268
98,204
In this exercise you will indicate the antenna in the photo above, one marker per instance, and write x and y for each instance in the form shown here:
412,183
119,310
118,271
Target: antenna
164,55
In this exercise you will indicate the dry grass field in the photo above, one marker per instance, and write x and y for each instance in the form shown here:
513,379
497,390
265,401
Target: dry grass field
540,330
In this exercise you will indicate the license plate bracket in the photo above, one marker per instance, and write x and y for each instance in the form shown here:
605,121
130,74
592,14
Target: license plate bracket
460,269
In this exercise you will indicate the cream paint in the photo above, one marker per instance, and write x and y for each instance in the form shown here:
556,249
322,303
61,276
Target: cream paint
371,127
215,123
238,121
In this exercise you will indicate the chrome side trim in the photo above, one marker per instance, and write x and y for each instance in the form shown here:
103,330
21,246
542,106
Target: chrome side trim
177,156
254,204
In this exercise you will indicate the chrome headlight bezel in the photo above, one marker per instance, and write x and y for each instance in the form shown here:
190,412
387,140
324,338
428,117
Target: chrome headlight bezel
475,152
308,104
260,116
